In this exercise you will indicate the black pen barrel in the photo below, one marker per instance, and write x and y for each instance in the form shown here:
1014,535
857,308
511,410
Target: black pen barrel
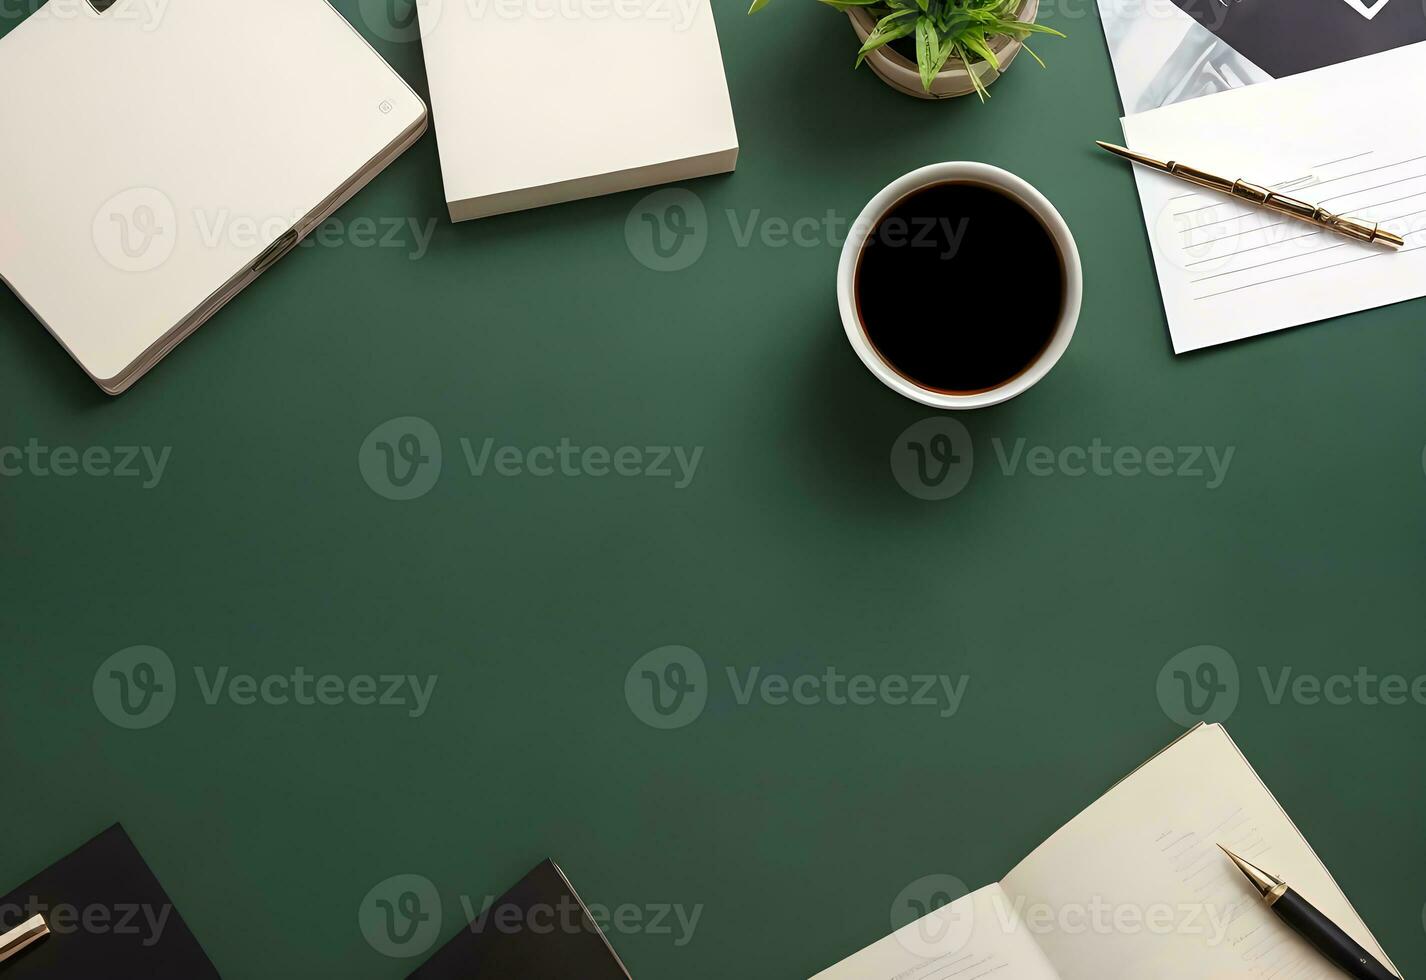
1333,943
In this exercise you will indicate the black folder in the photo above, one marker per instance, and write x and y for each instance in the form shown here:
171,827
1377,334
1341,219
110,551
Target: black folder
108,918
1284,37
538,930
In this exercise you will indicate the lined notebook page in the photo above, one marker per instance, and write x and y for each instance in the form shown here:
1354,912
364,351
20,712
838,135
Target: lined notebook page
976,937
1136,887
1337,137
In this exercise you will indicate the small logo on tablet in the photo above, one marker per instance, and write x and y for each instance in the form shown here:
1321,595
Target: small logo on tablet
136,687
385,107
1199,684
667,688
401,916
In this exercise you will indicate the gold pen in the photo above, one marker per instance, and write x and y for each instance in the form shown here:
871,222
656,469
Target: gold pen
1362,231
32,930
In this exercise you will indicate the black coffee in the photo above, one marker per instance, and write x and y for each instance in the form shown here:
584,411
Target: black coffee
959,287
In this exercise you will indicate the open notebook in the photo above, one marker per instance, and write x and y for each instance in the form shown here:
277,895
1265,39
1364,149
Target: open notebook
1134,888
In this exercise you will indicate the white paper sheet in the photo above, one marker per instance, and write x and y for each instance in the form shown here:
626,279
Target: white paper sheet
1138,890
1349,137
977,936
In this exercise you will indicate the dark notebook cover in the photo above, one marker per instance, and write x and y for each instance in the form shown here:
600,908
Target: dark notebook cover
1284,37
109,919
538,930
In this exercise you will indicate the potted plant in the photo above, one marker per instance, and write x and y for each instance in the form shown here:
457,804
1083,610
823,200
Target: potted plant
951,47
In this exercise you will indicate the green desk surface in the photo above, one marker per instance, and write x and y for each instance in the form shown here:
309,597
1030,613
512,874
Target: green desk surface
790,829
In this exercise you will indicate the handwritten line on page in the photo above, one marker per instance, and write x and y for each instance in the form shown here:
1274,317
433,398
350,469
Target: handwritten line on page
1228,272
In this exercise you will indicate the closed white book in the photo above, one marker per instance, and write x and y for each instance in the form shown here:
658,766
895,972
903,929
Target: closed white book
538,102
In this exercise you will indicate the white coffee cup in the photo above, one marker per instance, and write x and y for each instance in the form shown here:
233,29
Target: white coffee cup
1033,201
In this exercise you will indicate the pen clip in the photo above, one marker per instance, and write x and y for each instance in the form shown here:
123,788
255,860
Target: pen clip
32,930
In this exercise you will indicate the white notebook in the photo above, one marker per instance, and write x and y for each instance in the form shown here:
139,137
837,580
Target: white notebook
537,102
1134,888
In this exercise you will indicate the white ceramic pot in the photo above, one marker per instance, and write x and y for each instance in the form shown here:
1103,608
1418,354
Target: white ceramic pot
902,74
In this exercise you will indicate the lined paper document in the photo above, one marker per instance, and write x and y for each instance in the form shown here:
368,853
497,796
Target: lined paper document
1348,138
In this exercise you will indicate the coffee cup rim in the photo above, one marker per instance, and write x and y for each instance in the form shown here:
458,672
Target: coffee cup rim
939,173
